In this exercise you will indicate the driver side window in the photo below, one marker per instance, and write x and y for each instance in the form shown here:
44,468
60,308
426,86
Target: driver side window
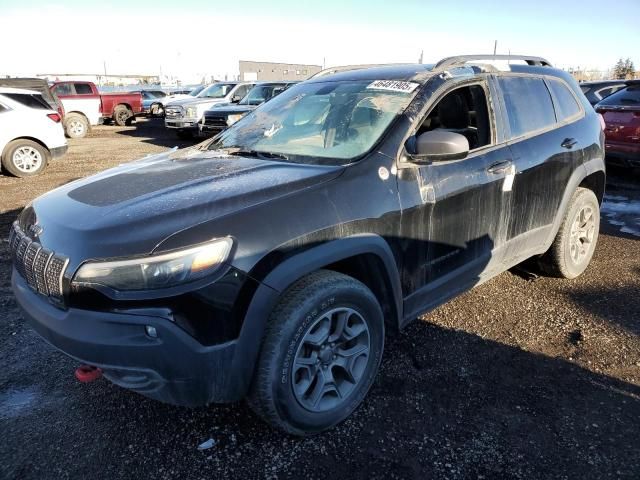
464,111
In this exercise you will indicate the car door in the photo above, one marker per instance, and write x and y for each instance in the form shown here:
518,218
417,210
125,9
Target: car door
5,124
452,225
546,145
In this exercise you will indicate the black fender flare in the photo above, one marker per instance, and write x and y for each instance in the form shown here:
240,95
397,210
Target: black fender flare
265,298
588,168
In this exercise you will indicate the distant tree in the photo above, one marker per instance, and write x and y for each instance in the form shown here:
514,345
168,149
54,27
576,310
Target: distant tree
630,69
619,71
623,69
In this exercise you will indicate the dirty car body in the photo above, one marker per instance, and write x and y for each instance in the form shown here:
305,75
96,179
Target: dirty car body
347,200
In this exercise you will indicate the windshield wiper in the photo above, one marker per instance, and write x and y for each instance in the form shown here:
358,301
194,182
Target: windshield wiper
246,152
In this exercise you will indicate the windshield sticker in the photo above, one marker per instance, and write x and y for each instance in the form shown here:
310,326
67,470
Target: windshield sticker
394,86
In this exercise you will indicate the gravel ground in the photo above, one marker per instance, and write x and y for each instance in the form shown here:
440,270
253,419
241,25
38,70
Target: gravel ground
523,377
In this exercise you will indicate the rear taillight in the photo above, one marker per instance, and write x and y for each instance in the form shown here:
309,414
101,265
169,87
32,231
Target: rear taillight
603,125
54,116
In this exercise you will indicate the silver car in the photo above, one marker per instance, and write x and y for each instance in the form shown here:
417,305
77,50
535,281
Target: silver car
184,114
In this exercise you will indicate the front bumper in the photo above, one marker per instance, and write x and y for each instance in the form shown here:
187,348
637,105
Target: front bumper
210,129
173,367
182,124
58,152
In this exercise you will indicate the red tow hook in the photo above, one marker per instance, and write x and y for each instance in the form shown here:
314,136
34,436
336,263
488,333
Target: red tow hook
87,373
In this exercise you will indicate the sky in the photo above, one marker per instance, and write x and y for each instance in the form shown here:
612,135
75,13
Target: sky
195,38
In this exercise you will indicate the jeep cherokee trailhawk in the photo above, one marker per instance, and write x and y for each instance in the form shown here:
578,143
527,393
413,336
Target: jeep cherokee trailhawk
268,261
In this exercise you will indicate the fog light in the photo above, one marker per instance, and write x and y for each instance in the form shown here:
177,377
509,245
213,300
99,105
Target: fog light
151,331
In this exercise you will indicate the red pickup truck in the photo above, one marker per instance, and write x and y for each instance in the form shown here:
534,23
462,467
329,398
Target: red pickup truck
85,106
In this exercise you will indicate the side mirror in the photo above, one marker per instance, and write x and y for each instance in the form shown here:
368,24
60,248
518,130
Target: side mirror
437,146
236,99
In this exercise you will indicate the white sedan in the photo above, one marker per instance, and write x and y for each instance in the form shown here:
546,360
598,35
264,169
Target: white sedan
30,132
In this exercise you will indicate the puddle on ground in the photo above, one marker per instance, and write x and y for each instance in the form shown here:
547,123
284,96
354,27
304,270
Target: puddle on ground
622,213
15,402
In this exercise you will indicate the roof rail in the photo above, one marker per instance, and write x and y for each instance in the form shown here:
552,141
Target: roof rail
347,68
462,59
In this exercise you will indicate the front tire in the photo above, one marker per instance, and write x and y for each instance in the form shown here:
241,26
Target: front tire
320,355
24,158
574,245
157,110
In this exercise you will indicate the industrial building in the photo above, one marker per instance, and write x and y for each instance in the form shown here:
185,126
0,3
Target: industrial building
269,71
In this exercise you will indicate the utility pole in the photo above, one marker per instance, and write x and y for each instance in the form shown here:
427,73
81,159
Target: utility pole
495,46
421,57
104,64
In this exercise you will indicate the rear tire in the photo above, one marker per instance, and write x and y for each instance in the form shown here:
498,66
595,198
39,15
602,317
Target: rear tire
24,158
122,115
320,354
76,125
574,245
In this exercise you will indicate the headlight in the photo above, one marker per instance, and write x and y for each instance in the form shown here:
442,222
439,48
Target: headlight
191,112
157,271
231,119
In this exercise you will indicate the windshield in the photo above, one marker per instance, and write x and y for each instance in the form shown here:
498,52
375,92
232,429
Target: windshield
196,91
217,90
323,123
261,94
626,96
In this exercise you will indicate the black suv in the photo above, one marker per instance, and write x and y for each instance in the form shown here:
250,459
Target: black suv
269,261
598,90
220,117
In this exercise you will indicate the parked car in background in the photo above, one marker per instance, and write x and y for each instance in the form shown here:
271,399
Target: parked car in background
84,106
158,107
270,261
621,113
596,91
183,115
219,117
31,132
150,100
39,85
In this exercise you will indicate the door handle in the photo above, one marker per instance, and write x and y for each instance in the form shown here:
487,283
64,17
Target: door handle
500,167
568,143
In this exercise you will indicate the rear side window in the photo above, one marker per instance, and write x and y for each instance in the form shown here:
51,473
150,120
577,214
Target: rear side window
64,89
629,96
564,101
29,100
528,104
83,89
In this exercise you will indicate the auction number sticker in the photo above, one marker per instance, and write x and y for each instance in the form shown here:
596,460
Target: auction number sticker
394,86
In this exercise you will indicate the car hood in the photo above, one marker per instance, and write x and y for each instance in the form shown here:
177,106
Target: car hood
195,101
131,209
230,109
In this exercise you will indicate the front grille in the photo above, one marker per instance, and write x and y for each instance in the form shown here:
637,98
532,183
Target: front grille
41,268
215,122
173,112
